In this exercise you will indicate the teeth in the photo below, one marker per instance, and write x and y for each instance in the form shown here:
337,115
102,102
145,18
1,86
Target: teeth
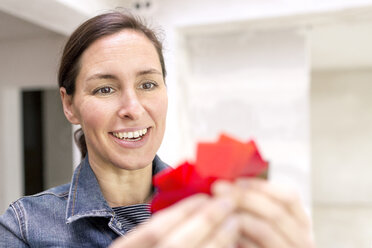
136,134
130,135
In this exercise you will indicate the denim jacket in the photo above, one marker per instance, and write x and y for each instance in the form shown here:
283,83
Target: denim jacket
70,215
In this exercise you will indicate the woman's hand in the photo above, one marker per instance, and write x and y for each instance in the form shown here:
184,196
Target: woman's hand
196,222
249,213
270,217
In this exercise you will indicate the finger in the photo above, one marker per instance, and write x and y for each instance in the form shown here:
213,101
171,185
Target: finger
204,221
225,188
274,214
260,233
226,236
263,206
286,196
160,225
279,207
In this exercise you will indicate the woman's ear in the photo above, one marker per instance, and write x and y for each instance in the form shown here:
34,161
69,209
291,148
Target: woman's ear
68,107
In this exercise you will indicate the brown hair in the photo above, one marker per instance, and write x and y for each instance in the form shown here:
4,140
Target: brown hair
87,33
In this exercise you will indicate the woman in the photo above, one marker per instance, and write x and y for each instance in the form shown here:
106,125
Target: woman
112,83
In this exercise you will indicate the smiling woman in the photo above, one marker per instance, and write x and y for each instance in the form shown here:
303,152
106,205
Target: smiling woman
112,83
120,91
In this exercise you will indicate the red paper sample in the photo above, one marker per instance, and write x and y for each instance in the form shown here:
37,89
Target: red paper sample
226,159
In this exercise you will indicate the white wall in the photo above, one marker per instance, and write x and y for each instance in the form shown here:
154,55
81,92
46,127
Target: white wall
341,127
249,84
30,62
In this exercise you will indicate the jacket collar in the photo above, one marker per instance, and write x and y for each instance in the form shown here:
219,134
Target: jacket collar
85,196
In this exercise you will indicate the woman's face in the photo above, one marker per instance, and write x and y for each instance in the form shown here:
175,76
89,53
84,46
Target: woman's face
120,100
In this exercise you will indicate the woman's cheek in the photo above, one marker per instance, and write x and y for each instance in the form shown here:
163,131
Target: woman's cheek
95,113
163,104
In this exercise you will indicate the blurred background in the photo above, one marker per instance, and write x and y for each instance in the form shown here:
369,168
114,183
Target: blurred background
294,75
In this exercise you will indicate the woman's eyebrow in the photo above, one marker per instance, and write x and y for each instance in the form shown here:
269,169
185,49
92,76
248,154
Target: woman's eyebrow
101,76
148,71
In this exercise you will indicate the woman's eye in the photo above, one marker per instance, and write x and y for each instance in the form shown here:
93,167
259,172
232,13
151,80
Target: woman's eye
148,85
104,90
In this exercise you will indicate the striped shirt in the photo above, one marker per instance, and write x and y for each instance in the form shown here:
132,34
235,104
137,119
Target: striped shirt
130,216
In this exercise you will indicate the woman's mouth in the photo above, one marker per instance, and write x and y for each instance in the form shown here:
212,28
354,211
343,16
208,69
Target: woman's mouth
130,136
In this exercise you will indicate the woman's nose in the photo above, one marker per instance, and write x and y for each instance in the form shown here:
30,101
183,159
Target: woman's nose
130,106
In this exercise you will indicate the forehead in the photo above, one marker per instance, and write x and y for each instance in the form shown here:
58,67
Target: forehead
123,37
125,44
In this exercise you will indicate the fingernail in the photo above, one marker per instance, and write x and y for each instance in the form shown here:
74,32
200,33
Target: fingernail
243,182
222,188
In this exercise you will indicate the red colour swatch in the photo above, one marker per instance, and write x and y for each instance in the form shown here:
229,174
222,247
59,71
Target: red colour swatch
226,159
